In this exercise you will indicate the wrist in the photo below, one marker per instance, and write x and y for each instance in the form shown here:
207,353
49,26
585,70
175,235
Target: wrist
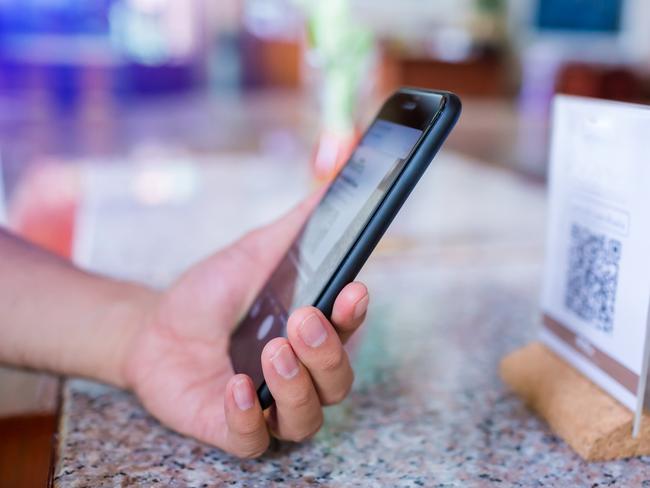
129,310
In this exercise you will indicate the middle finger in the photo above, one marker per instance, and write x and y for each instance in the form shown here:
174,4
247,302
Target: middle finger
319,348
298,413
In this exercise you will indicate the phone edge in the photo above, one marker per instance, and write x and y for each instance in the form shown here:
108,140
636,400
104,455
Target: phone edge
387,210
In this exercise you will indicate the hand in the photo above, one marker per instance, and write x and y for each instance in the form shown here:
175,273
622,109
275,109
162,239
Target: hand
178,362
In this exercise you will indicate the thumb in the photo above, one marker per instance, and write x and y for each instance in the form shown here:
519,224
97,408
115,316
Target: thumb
224,284
266,245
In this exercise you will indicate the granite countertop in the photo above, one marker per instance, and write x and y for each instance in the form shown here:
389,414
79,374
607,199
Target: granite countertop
454,288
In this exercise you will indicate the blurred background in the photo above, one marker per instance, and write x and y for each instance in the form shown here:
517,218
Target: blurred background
114,80
270,92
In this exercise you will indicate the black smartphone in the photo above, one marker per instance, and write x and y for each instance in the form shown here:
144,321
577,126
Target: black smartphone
348,222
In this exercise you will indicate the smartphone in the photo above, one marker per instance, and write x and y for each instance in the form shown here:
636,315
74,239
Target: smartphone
348,222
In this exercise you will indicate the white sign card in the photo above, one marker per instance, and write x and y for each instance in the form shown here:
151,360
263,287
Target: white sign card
596,291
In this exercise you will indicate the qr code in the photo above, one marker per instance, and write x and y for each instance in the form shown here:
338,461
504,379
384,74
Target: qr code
592,276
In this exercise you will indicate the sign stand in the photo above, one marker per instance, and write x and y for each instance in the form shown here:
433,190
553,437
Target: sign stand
592,422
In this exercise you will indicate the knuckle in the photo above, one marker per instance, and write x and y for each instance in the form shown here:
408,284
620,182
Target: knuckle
335,398
300,399
339,394
309,432
333,361
249,442
249,429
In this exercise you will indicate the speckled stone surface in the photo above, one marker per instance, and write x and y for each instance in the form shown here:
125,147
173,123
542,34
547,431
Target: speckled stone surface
450,296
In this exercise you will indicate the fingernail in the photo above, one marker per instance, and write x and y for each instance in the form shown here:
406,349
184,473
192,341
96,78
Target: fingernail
241,390
285,362
311,331
361,307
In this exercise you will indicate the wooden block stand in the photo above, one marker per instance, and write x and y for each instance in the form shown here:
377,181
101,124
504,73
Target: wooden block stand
595,425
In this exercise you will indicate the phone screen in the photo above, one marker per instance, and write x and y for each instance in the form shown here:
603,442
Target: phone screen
331,230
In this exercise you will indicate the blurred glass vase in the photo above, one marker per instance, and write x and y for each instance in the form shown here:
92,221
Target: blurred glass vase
341,52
